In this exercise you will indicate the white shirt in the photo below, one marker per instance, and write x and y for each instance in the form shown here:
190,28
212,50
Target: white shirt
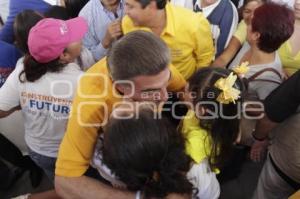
183,3
53,2
45,105
4,11
261,88
86,59
208,9
289,3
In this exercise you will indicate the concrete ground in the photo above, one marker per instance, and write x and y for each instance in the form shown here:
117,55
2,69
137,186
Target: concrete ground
244,185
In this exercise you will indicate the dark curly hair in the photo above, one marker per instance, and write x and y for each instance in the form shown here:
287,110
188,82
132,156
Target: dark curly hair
147,154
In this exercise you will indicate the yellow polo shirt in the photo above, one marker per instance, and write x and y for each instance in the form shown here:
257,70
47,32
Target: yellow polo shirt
188,37
295,195
92,105
291,63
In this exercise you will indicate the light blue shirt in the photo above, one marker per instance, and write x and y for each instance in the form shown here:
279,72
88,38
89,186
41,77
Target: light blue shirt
98,19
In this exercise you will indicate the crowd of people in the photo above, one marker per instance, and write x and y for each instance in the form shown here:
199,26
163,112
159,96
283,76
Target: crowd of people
149,98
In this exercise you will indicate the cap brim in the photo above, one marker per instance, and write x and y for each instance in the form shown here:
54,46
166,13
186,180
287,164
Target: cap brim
78,28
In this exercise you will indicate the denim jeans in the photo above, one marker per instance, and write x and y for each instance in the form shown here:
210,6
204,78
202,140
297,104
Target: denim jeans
44,162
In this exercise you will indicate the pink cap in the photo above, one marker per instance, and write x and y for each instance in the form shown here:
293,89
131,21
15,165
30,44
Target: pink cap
49,37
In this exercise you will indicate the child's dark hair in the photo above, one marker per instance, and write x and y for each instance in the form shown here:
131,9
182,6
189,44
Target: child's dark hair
223,130
34,70
147,154
24,21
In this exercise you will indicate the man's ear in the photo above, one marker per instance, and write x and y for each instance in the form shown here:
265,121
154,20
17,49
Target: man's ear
119,87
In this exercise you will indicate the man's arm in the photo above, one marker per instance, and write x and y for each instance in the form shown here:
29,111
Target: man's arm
263,127
91,39
7,113
229,52
279,105
85,187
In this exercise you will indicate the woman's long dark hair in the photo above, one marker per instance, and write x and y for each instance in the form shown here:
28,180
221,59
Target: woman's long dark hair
147,154
223,130
34,70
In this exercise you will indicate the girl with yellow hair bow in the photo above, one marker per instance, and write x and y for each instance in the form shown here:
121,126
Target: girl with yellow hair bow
211,126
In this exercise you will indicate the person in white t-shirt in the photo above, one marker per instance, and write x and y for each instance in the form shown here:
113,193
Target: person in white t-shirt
141,152
42,85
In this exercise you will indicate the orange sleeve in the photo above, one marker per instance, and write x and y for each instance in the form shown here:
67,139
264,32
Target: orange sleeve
177,81
89,111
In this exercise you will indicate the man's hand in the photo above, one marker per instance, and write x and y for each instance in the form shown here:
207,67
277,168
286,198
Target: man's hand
113,32
258,150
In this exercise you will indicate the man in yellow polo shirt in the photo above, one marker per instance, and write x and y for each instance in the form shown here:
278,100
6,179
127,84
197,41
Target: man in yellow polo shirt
295,195
137,69
187,34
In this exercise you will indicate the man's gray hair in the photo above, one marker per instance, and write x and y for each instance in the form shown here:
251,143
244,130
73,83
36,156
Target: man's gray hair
137,53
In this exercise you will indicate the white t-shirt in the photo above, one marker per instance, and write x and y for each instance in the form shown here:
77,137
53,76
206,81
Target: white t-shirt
4,11
53,2
45,105
86,59
261,88
200,175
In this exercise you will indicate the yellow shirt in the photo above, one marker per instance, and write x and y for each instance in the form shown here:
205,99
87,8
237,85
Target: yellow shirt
188,37
241,32
289,62
198,142
92,105
295,195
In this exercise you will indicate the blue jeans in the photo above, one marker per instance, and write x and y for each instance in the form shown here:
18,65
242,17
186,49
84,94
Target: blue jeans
44,162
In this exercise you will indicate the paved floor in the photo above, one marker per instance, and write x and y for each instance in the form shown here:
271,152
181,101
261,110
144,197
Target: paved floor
243,186
23,186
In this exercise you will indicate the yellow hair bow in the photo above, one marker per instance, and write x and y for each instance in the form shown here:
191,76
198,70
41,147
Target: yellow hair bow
229,94
242,69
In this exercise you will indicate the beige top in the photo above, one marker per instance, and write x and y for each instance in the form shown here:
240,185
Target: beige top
285,148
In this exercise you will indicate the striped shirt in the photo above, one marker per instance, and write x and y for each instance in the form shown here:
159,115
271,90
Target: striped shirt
98,19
